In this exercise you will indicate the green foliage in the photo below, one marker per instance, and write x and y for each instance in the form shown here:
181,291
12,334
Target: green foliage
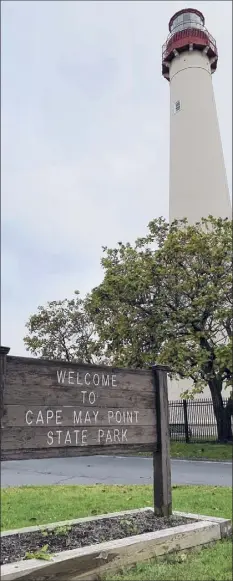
168,298
62,530
61,330
129,527
57,531
41,554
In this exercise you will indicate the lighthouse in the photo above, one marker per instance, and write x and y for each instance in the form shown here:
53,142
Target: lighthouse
198,183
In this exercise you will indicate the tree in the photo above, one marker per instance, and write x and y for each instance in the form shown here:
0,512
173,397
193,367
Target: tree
62,330
168,298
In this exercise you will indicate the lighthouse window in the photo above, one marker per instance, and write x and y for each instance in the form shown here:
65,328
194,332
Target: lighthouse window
177,107
177,24
187,19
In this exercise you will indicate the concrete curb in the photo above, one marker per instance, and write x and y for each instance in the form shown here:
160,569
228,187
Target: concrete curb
181,458
89,562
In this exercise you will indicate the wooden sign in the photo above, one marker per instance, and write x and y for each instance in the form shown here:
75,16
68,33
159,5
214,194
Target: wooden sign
56,409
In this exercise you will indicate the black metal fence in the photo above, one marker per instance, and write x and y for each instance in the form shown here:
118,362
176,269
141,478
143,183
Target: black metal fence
193,420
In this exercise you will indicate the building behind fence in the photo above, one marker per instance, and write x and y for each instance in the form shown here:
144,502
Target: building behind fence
193,420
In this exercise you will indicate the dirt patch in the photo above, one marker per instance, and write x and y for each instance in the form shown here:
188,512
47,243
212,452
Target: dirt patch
15,547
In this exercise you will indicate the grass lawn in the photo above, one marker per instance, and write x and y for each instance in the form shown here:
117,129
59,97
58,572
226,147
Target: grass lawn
206,564
210,451
32,505
200,451
40,505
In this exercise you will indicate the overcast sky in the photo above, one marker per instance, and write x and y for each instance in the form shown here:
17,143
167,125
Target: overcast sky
85,139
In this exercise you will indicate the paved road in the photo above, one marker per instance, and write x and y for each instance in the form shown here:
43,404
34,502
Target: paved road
110,470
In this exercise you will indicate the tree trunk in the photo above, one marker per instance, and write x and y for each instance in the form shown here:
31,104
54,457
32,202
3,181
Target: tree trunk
229,414
222,413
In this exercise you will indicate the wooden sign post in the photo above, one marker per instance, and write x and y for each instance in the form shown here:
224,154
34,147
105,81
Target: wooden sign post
58,409
161,456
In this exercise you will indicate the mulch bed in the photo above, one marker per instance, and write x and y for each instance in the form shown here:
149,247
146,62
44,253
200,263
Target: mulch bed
15,547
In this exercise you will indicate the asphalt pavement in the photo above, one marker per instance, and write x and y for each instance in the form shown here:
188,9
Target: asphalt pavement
110,470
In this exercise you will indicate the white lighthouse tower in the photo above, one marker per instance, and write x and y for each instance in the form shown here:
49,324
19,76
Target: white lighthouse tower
198,182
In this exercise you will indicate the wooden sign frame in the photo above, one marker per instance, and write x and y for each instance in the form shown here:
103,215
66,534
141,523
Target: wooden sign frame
97,410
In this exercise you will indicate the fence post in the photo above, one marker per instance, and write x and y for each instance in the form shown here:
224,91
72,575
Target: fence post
186,426
3,354
161,456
